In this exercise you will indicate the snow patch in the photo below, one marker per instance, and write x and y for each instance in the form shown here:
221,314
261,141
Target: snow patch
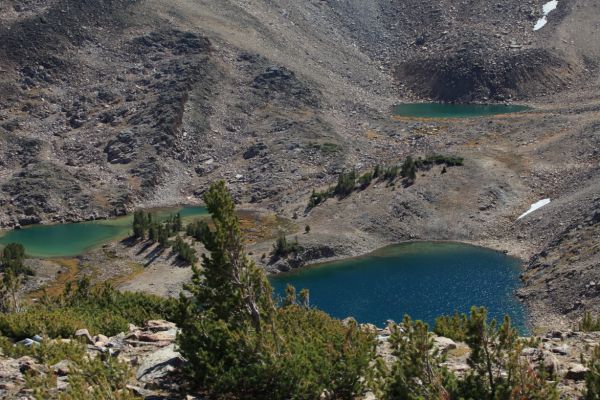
535,206
548,8
540,23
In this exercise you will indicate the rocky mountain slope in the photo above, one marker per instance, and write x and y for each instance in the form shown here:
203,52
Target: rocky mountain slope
107,105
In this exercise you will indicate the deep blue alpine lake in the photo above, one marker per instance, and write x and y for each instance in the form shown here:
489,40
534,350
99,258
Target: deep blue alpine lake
424,280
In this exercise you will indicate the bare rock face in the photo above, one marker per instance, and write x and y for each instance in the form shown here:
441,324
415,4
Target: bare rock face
576,372
475,74
122,149
444,344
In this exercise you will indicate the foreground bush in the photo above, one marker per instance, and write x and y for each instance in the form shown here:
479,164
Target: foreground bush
416,374
497,370
239,345
100,310
589,323
592,379
92,378
303,354
453,327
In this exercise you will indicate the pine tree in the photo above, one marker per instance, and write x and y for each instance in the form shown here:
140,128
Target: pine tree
163,236
290,296
592,379
305,298
140,224
10,286
416,374
177,224
230,284
12,258
377,172
409,170
153,232
238,345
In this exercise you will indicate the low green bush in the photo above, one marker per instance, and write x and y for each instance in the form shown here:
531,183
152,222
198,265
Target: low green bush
453,327
592,378
100,310
439,159
589,324
346,184
283,248
416,373
93,378
317,198
304,353
498,372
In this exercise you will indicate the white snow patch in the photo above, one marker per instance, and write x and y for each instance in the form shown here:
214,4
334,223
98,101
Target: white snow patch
535,206
540,23
548,8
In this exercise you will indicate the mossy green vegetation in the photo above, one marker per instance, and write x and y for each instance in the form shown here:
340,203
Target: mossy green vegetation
327,148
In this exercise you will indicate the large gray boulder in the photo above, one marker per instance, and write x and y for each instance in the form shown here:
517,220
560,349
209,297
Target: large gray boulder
159,364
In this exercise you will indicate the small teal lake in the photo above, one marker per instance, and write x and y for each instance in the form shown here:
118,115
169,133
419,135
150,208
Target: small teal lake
67,240
451,110
423,280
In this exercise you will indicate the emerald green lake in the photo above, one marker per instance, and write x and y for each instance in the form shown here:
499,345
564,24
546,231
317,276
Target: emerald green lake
423,280
67,240
450,110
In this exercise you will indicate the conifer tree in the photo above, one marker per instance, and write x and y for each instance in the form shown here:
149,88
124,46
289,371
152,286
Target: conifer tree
592,379
240,346
140,224
290,296
12,259
409,169
230,284
177,224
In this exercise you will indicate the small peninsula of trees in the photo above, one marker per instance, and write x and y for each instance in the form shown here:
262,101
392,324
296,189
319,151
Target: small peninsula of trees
349,181
149,226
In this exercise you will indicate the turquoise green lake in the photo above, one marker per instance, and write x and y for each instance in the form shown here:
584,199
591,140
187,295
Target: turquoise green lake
423,280
67,240
450,110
